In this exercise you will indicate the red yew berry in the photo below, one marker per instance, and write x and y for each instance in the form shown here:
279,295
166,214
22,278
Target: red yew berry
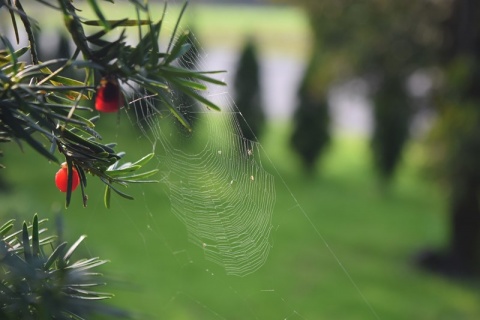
61,178
109,96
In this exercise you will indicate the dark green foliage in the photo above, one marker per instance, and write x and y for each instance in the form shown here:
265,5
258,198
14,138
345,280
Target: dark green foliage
146,110
63,49
247,93
40,280
392,115
187,104
311,131
3,183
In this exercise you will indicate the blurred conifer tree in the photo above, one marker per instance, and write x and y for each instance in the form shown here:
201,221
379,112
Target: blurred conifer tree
392,113
312,117
248,93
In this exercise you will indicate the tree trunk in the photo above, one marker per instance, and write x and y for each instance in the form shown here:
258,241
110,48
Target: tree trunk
463,258
465,205
462,40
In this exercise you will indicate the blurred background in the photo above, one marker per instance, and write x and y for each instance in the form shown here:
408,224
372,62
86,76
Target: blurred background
369,116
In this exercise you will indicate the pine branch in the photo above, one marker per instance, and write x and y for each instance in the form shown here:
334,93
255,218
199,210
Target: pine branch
40,107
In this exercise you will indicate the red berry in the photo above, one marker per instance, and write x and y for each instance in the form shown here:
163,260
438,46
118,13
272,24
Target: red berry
61,178
109,96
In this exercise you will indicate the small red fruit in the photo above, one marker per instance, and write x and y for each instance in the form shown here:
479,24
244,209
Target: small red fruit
109,96
61,178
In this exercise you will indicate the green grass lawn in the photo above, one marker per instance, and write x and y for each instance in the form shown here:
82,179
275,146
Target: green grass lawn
154,270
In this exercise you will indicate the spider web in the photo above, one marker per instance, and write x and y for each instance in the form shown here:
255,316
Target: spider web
216,183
